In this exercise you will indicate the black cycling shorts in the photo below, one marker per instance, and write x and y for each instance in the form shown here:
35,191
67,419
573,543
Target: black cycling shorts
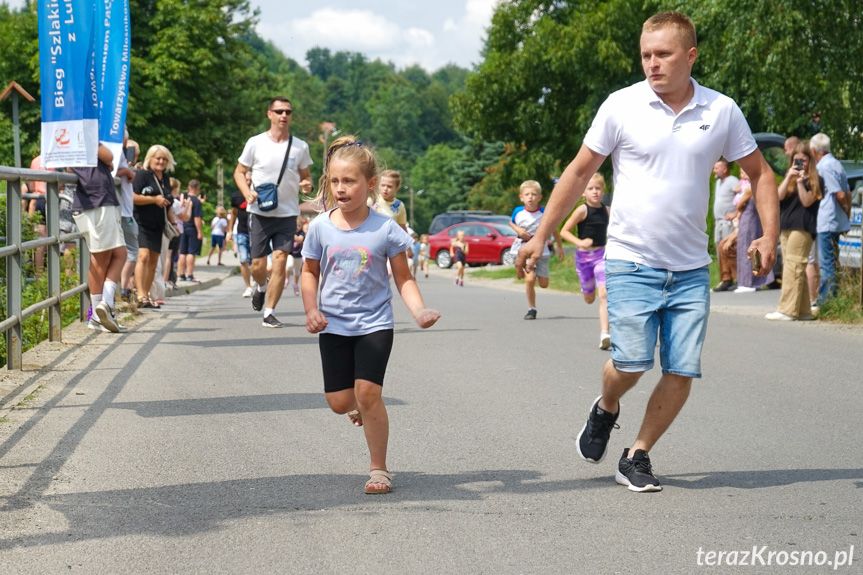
349,358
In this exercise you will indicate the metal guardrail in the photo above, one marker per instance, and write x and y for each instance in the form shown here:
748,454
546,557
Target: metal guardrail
12,252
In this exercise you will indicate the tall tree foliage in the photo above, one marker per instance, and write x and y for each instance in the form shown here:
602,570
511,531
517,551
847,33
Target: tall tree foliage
195,85
792,65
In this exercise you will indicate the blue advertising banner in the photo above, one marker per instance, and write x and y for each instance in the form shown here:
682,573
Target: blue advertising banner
113,46
70,130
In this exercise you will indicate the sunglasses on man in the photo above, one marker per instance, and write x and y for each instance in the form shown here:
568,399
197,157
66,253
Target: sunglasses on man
280,112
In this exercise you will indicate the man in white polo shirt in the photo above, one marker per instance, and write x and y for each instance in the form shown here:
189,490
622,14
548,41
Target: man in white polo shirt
664,135
271,230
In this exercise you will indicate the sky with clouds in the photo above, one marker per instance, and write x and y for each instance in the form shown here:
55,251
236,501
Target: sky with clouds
405,32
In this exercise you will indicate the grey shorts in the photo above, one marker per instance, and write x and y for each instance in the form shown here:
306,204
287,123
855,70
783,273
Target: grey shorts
130,234
269,234
541,267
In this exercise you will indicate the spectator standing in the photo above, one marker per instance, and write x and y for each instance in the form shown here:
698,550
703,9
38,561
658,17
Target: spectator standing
664,134
127,215
748,230
33,207
832,213
152,187
96,210
219,228
192,238
799,198
239,219
723,204
278,158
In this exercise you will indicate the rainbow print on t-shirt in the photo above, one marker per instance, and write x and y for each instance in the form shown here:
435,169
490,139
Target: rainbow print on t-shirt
349,263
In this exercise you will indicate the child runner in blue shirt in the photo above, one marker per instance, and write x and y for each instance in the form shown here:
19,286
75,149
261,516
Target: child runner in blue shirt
347,296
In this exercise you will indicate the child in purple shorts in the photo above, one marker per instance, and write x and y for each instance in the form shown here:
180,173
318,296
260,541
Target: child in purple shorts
591,217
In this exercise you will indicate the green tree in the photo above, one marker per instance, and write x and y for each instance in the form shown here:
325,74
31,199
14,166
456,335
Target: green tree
793,66
19,62
196,86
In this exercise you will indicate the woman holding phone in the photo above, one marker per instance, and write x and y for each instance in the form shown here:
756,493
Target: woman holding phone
799,198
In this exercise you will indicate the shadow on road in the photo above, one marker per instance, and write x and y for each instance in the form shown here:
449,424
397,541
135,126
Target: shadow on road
232,405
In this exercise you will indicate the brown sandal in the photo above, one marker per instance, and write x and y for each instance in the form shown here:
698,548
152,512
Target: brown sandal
356,417
379,477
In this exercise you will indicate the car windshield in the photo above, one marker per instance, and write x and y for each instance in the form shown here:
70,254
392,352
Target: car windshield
504,230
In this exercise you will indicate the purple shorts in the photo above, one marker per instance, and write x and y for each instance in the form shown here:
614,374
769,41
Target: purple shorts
590,267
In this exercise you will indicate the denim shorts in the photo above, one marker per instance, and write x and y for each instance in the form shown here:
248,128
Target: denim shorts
243,248
644,302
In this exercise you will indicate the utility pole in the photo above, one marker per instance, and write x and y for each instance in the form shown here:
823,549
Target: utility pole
220,178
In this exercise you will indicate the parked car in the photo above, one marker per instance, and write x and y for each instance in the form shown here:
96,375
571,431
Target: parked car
489,243
773,148
453,217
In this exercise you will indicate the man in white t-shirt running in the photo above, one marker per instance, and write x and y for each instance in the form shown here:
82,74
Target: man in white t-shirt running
664,135
273,231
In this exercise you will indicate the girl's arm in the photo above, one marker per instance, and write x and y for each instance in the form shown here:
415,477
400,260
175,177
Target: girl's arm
408,290
559,245
576,218
786,182
465,247
315,320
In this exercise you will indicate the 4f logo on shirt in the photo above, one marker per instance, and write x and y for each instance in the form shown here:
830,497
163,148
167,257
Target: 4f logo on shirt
704,127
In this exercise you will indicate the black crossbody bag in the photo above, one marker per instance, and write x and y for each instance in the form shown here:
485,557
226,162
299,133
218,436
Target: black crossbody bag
268,192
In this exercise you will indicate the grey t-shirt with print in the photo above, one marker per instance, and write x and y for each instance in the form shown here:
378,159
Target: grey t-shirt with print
354,293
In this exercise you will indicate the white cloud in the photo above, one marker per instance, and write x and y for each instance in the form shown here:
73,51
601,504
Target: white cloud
355,30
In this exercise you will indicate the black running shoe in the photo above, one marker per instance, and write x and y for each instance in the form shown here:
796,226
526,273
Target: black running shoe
592,440
636,473
271,321
258,299
531,314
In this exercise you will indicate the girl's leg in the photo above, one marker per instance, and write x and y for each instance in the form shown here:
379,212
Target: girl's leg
376,423
603,309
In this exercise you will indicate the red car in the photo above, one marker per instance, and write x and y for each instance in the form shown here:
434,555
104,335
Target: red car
489,243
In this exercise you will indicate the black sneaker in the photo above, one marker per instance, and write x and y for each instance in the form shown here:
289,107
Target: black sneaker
531,314
724,286
182,278
258,299
636,473
271,321
592,440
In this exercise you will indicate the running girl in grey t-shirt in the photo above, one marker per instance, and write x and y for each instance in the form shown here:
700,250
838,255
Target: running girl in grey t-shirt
347,296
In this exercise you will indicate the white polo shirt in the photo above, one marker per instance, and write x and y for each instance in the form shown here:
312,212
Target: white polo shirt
662,165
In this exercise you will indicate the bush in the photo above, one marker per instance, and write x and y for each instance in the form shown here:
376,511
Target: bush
845,307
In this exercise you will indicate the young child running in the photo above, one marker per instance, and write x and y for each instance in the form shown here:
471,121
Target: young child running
424,253
297,257
458,250
591,217
525,221
415,254
386,203
346,251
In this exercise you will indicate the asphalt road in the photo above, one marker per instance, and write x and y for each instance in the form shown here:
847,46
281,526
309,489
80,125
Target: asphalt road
200,442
